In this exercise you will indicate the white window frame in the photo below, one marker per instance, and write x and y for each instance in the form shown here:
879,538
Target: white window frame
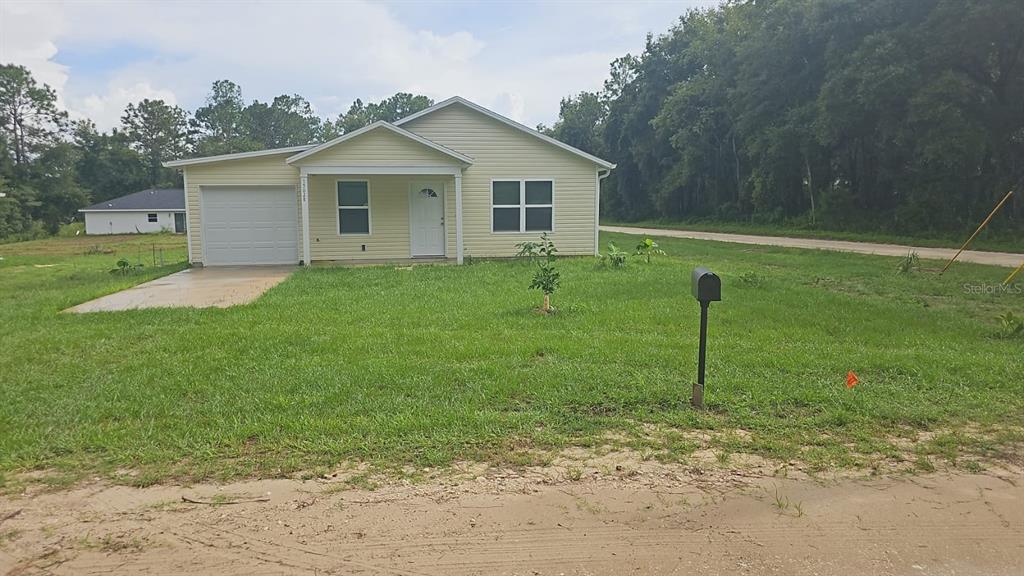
152,217
338,208
522,205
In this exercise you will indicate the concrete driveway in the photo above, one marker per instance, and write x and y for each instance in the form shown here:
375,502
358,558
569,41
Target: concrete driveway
219,287
1007,259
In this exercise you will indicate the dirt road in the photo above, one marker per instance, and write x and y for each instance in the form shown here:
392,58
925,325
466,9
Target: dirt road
645,518
994,258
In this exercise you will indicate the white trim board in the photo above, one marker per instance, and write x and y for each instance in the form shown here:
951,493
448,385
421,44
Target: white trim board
236,156
188,219
386,125
137,210
380,170
507,122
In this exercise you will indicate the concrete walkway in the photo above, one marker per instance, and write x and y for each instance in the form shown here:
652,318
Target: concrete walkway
1007,259
219,287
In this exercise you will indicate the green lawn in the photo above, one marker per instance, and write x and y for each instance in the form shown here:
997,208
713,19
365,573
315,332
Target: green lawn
435,364
998,241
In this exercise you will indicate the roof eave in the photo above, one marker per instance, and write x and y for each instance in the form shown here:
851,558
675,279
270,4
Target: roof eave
235,156
83,210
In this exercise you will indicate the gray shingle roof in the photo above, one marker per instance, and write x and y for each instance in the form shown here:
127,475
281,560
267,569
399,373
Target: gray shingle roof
152,199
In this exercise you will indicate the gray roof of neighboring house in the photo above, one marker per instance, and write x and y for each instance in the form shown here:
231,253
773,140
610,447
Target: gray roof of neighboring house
152,199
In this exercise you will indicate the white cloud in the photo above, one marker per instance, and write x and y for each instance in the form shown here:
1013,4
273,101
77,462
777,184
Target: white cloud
330,53
106,109
27,36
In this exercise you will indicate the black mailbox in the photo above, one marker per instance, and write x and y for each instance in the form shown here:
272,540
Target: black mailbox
707,288
706,285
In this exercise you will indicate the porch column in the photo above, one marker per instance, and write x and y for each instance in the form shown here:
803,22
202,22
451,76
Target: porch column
458,217
305,218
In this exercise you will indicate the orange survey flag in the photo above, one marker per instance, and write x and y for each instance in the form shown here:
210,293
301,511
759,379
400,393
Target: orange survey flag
851,379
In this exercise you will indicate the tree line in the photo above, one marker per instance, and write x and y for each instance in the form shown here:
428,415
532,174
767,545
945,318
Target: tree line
879,115
50,166
847,114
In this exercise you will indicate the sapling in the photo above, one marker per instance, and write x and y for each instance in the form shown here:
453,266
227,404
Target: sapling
647,248
546,277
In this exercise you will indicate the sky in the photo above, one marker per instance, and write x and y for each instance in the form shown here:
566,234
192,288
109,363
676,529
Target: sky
516,58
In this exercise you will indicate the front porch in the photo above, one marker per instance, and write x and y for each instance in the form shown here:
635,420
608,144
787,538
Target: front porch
381,214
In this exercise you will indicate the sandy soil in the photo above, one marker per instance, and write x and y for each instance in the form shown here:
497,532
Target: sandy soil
610,516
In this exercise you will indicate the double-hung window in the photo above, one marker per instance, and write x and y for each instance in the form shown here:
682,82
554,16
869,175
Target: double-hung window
151,217
353,207
522,205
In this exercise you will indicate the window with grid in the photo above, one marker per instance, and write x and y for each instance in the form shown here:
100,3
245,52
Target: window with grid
353,207
522,206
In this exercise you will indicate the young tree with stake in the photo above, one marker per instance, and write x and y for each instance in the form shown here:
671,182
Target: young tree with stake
546,277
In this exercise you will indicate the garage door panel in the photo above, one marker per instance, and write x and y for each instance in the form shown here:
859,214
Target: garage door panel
250,226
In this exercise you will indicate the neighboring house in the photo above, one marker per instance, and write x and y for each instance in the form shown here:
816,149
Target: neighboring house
453,180
153,210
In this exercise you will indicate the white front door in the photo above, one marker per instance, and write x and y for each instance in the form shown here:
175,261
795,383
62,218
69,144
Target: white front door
426,218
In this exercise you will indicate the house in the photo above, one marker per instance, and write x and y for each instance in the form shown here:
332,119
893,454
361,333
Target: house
449,181
153,210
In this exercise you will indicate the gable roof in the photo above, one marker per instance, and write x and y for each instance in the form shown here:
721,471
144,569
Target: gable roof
153,199
387,126
300,152
236,156
507,122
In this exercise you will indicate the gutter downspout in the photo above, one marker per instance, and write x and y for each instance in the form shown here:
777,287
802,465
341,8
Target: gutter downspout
597,210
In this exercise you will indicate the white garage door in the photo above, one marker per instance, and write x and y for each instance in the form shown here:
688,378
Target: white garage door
256,225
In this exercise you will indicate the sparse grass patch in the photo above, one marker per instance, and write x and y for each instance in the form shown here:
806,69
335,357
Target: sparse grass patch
439,364
574,473
363,481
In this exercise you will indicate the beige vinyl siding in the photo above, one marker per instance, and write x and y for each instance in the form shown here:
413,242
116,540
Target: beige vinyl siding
500,151
380,147
389,218
262,171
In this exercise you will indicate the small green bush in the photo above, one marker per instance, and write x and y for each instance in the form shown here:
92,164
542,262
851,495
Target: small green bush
1010,326
908,264
647,248
614,258
124,267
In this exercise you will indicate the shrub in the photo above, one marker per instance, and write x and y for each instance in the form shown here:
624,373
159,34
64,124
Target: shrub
614,258
647,248
125,267
1010,326
908,263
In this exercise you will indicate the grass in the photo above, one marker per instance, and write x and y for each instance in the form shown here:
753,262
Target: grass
998,241
436,364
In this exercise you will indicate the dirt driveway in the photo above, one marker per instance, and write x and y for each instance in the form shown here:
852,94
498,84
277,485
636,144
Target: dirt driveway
1007,259
641,518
